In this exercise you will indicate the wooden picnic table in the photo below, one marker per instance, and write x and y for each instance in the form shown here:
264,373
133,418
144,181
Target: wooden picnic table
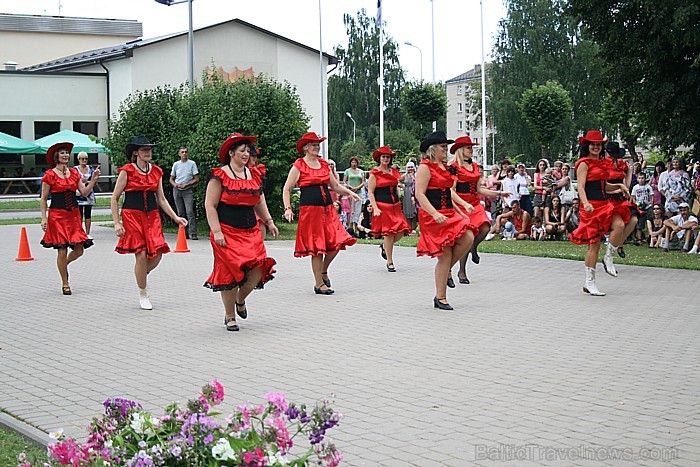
31,187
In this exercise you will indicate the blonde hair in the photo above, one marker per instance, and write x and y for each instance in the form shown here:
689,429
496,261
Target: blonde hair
459,156
430,153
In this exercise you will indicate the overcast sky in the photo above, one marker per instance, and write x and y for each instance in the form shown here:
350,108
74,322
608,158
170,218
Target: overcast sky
457,23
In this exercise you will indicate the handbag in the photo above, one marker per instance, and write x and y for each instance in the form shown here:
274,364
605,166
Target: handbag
568,194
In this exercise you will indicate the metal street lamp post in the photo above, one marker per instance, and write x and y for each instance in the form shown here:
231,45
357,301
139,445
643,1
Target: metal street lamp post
421,57
190,39
354,126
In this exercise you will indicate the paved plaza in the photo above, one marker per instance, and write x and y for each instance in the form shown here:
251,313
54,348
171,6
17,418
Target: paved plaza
527,370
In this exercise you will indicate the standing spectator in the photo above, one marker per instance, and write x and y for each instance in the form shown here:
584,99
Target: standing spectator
655,226
681,229
573,216
409,194
663,180
642,196
555,219
503,172
523,181
354,179
140,231
85,203
542,188
510,185
563,185
183,177
654,182
678,186
493,184
334,174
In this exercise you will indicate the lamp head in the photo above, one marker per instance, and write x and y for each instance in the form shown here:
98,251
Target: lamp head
348,114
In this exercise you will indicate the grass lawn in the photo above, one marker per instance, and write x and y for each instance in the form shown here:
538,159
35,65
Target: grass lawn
12,444
37,220
34,204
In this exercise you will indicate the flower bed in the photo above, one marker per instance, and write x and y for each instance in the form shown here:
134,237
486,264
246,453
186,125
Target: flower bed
259,436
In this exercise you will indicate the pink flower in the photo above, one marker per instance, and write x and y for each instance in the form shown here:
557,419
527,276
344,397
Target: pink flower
284,441
278,400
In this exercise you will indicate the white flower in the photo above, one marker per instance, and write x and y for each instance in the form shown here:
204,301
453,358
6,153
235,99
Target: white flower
276,458
137,422
108,443
56,434
223,450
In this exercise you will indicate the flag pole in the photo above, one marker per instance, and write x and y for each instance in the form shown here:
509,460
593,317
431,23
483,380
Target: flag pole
381,72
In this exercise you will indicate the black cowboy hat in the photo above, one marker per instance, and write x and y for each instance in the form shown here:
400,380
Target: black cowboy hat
137,142
613,148
436,137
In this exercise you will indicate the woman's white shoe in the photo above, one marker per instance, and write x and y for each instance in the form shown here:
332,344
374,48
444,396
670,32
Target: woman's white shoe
590,286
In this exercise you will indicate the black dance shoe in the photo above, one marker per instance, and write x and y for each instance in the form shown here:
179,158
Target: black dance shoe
475,257
231,327
450,282
321,291
242,313
326,281
443,306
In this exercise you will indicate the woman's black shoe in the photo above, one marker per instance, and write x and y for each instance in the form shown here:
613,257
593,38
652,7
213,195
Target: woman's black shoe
621,252
450,282
475,257
441,305
390,267
326,281
463,280
242,313
231,327
383,251
321,291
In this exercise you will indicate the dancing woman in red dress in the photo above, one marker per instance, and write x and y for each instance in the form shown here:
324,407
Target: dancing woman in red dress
233,202
598,215
618,191
140,231
62,225
468,188
388,220
445,231
319,231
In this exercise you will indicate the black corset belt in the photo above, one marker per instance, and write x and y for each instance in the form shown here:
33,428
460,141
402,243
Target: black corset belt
386,194
466,187
595,190
64,200
315,195
616,196
240,217
439,198
140,200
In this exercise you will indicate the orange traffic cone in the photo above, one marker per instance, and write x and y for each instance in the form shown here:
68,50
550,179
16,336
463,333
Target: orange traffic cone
181,242
24,254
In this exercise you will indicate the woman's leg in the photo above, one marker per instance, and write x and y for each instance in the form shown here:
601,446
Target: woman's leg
141,269
317,269
76,253
617,231
62,263
252,279
388,242
154,262
326,263
442,272
228,297
589,285
592,254
630,227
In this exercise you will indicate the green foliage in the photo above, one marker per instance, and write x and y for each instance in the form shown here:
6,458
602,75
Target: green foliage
404,143
203,119
424,102
357,149
546,108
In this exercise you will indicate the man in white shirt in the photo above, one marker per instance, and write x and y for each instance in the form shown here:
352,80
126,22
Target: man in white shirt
681,228
183,177
524,181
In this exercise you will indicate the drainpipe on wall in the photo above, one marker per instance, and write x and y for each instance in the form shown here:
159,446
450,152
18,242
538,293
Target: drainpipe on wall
109,113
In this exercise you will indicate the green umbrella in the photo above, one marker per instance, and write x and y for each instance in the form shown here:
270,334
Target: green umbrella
80,141
11,145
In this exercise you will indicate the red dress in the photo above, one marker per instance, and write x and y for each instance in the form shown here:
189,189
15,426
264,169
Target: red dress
244,248
594,225
64,228
467,184
435,237
319,230
391,221
617,172
143,230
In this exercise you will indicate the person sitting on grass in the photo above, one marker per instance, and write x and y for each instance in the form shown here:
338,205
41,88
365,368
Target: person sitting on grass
519,218
573,216
554,219
656,229
538,231
681,228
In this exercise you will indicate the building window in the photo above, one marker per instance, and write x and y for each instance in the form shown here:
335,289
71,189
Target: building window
11,128
86,128
459,90
42,129
460,108
460,125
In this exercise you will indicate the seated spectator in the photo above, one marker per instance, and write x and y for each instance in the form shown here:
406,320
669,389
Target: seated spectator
519,218
554,219
655,226
696,245
31,173
364,222
573,218
682,229
537,232
642,195
509,231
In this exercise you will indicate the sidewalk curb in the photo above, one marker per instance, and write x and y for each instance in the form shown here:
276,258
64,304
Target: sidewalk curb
24,429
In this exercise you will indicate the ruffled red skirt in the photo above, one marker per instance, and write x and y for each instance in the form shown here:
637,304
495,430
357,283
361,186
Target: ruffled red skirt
478,217
435,237
625,209
64,229
391,221
244,251
142,232
594,225
320,232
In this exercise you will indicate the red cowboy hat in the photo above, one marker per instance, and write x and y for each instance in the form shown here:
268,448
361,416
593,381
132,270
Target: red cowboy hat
310,137
232,139
462,141
592,136
384,150
54,149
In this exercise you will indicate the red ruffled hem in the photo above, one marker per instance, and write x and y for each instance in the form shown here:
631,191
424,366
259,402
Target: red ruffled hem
390,222
320,232
150,254
268,271
435,237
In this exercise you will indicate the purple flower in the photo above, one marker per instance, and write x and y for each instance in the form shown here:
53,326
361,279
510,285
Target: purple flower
208,439
175,450
292,412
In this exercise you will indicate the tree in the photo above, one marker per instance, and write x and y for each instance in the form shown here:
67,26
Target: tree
546,108
424,103
204,118
355,89
537,43
655,48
